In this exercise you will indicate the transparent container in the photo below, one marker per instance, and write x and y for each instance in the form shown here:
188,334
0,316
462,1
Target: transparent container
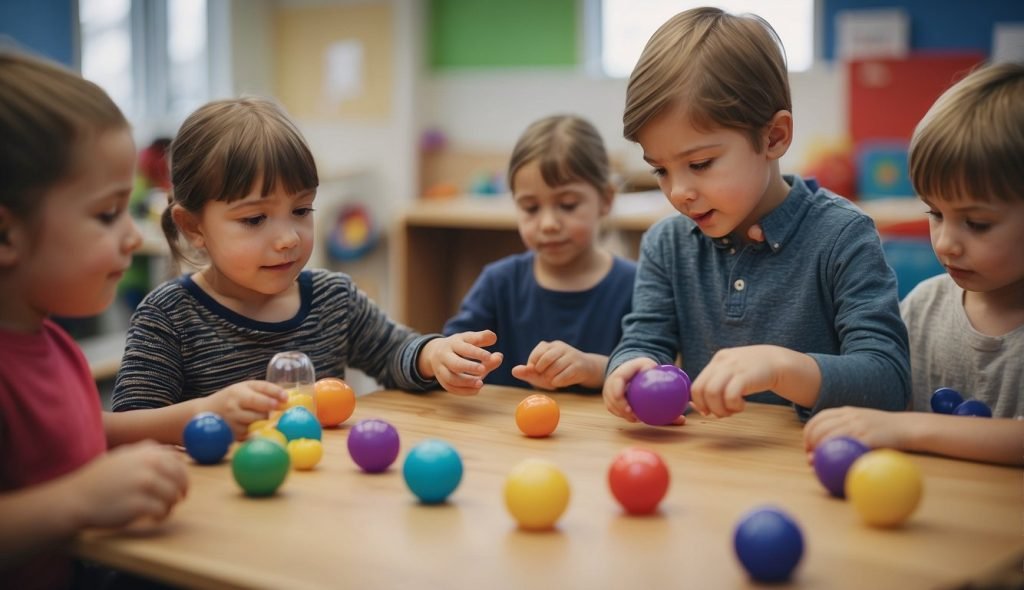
293,372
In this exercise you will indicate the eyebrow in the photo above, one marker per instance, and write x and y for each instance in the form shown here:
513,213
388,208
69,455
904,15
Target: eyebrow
247,202
685,153
968,208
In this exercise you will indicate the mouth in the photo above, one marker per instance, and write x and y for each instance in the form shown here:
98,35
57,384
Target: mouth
957,271
280,267
702,219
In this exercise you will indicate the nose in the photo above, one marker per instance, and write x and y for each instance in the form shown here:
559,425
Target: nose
945,240
680,191
133,238
549,220
286,239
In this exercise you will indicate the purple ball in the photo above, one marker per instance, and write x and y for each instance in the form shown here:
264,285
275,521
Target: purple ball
373,445
659,395
832,459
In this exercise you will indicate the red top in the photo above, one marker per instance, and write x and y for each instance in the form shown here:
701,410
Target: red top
50,425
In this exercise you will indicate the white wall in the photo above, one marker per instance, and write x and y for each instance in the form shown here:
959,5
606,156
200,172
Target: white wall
488,110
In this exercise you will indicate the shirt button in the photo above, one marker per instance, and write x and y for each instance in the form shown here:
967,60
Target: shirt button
732,250
726,241
739,285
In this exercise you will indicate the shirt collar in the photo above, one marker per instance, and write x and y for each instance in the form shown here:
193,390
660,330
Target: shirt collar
780,223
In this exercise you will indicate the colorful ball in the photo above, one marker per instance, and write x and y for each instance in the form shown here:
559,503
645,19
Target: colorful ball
335,401
659,395
298,422
207,438
305,453
536,494
271,433
639,480
432,470
973,407
885,487
297,398
260,466
537,415
832,460
769,544
945,400
373,445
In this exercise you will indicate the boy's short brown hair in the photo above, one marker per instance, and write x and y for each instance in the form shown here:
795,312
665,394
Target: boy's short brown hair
971,142
729,71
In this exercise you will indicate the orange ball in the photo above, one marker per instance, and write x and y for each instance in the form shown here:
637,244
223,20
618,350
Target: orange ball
537,415
335,401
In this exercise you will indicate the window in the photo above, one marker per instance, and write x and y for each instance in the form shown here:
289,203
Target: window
153,57
626,25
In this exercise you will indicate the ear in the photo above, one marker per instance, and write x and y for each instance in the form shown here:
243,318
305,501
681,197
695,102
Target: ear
188,225
779,135
12,234
607,198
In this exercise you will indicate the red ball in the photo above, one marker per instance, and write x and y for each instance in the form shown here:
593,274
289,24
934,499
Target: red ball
638,479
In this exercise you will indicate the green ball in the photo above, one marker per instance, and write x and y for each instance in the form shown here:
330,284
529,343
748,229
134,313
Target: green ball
260,466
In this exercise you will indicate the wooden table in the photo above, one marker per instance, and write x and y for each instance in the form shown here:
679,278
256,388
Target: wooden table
337,527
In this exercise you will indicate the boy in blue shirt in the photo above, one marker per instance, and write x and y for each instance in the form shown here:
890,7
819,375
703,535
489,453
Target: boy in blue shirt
809,315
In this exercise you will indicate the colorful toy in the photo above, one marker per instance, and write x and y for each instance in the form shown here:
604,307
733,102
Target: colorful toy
305,453
885,487
638,479
335,401
659,395
832,460
299,422
293,371
354,233
536,494
432,470
271,433
207,438
769,544
945,400
973,407
537,415
373,444
260,466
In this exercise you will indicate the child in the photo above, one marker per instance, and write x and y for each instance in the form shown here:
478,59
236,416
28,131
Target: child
556,308
66,160
966,327
810,315
244,182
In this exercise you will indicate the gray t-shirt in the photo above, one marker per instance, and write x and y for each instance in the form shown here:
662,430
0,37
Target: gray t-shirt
946,351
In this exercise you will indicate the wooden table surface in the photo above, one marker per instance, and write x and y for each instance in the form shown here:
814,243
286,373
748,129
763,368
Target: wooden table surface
336,527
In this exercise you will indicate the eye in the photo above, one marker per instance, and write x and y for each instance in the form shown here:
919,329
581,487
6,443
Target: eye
569,205
253,221
109,216
978,226
702,165
934,214
659,172
302,211
529,209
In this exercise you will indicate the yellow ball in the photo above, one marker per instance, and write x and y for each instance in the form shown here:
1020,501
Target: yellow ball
260,425
296,398
536,494
885,487
269,432
305,453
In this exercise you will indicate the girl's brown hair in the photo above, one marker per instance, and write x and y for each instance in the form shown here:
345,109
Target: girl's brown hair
228,148
728,70
47,115
567,148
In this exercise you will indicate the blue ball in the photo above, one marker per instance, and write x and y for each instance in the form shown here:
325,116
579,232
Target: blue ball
973,407
298,422
769,544
207,438
432,470
945,400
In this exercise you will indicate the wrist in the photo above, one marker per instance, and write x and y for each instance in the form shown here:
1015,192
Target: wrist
425,359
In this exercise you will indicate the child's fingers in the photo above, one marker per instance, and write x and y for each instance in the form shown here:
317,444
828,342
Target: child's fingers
733,399
268,389
537,352
482,338
493,361
547,358
458,382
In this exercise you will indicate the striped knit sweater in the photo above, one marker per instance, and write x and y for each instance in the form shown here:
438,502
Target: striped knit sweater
183,345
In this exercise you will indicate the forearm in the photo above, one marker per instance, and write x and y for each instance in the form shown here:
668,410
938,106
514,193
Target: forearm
995,440
865,380
799,380
36,518
597,364
164,425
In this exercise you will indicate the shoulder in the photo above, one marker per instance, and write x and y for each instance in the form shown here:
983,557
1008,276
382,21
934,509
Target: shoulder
830,210
326,281
510,268
623,268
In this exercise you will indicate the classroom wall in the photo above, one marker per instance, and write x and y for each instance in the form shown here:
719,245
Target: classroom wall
47,27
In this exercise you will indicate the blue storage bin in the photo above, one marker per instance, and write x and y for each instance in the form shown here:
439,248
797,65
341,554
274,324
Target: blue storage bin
912,259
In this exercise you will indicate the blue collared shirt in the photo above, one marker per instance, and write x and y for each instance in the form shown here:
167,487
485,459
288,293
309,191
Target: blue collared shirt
818,284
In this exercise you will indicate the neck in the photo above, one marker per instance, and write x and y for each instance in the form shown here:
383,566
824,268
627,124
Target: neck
581,274
17,314
251,304
997,312
774,194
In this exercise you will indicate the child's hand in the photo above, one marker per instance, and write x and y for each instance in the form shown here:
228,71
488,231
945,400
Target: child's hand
458,362
243,403
614,391
556,364
735,373
128,483
874,428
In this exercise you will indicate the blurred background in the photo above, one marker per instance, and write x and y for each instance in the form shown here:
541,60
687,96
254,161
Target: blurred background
408,101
